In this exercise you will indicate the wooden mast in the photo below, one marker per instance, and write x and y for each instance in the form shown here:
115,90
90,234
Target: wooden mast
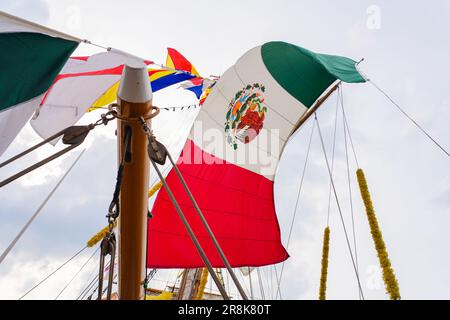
134,100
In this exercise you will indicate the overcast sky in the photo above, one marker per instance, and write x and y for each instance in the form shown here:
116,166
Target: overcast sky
406,53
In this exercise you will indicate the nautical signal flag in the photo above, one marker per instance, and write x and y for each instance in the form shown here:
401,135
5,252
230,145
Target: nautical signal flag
82,81
176,60
89,83
197,84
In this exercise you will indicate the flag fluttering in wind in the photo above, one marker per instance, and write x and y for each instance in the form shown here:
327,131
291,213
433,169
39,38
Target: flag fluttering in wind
159,79
176,60
81,82
30,59
79,85
206,92
194,85
198,84
231,156
89,83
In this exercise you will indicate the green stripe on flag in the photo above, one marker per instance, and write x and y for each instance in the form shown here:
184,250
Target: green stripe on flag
305,74
29,63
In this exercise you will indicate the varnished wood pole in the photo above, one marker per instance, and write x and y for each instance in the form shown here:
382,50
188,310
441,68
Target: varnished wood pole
134,101
314,108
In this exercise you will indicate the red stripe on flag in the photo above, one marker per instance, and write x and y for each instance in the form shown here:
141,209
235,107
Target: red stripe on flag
111,71
117,70
238,205
84,58
179,61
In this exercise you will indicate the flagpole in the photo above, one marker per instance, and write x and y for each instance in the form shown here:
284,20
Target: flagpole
315,106
134,101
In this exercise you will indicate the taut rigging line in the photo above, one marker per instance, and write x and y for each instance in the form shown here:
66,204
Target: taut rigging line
158,154
339,207
25,227
72,136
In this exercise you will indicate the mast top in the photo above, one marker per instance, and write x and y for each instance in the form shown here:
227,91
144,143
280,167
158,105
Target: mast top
131,88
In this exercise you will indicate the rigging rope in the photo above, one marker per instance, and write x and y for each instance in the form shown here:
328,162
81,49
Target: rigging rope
267,276
25,227
296,204
114,206
349,184
72,136
389,278
178,209
88,285
109,244
261,287
338,205
278,283
158,153
326,235
101,234
97,288
348,131
252,296
332,156
177,108
194,106
53,272
86,41
78,272
271,283
227,282
246,290
410,118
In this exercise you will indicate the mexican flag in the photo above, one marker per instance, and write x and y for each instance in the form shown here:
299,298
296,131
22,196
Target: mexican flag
31,56
231,157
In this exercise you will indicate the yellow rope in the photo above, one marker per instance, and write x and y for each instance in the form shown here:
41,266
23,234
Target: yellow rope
390,281
99,236
324,273
155,188
202,285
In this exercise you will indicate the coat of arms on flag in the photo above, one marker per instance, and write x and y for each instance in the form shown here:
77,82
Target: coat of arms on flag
245,116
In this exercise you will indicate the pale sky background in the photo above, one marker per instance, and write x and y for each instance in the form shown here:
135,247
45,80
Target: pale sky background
406,52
